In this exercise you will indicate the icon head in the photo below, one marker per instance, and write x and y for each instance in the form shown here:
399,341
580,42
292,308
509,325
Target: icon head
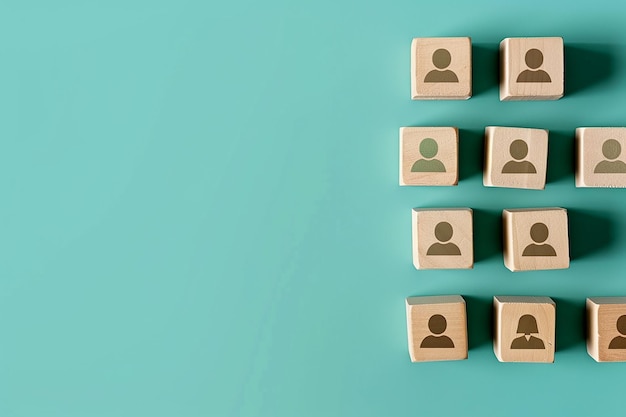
621,325
611,149
443,231
518,149
534,58
527,325
437,324
428,148
441,58
539,232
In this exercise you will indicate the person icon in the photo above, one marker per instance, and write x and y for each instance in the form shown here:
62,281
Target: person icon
534,59
539,233
518,150
428,149
527,326
443,233
437,324
611,149
619,342
441,60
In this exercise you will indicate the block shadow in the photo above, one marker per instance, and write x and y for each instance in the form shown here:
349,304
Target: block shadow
561,158
484,68
487,234
587,65
590,231
570,323
479,319
471,153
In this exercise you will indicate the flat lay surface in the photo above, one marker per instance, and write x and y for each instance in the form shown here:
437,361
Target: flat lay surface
201,210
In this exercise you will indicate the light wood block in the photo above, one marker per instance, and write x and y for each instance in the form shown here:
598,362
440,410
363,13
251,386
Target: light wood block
441,68
437,328
515,157
601,157
443,238
429,156
531,69
606,328
525,329
535,239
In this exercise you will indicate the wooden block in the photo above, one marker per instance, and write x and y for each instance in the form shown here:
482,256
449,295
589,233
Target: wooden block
437,328
429,156
601,152
524,329
441,68
443,238
515,157
531,69
535,239
606,328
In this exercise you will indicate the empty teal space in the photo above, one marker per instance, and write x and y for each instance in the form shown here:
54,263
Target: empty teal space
200,212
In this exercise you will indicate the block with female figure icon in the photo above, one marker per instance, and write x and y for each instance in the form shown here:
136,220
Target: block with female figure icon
429,156
515,157
441,68
532,69
535,239
436,328
606,328
600,157
443,238
524,329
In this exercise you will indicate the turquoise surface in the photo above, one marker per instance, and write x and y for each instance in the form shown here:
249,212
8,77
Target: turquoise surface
201,213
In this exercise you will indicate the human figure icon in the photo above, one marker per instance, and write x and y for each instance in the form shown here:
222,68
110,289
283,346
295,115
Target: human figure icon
437,325
611,149
527,326
539,233
518,150
443,233
534,59
428,150
441,61
619,342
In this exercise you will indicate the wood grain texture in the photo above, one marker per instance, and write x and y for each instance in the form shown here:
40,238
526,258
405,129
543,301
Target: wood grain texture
515,157
606,328
601,157
443,238
530,246
436,328
436,75
524,329
531,69
417,166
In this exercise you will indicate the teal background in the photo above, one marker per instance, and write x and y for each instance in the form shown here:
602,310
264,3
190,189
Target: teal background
201,213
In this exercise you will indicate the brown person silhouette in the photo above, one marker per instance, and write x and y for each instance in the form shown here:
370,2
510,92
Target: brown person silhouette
527,325
539,234
619,342
534,59
441,60
437,324
518,150
443,233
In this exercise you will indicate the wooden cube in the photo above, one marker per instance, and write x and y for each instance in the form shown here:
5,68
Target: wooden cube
531,69
606,328
443,238
525,329
515,157
441,68
600,160
437,328
429,156
535,239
